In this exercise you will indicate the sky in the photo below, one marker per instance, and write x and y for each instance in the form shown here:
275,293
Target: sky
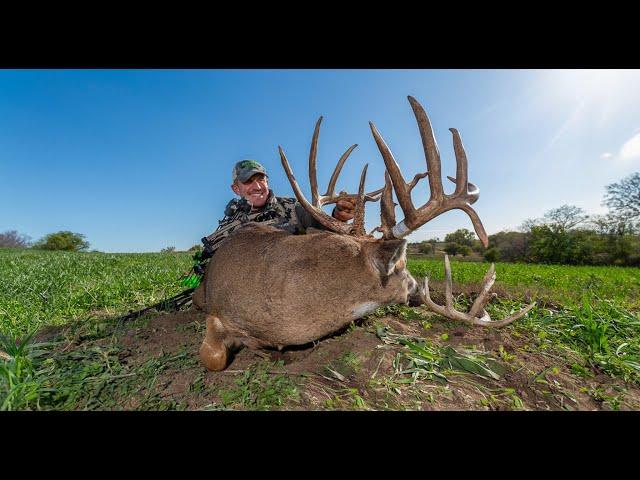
139,160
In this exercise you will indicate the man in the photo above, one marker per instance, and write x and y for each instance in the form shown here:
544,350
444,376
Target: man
257,203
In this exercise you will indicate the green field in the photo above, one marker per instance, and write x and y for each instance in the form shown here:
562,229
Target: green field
586,327
52,288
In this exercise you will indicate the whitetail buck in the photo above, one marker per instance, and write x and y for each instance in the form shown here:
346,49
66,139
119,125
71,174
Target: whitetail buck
265,287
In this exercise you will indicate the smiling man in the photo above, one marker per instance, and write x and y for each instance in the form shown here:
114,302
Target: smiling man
257,203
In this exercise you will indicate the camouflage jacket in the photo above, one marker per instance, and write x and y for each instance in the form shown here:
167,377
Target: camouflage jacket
281,212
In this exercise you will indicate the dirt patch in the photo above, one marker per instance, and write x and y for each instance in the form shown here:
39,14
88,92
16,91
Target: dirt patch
354,369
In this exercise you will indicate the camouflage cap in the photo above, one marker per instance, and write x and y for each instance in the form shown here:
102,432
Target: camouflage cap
245,169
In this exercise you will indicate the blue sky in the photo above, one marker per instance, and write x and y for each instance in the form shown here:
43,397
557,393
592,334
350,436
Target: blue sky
138,160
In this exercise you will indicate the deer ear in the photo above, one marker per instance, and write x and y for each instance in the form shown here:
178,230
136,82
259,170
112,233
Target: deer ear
386,254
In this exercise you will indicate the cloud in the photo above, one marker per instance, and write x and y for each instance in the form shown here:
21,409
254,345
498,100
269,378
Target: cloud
631,148
606,155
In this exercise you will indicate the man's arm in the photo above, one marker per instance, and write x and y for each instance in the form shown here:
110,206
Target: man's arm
343,211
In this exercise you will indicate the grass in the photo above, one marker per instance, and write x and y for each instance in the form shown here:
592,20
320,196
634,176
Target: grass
563,284
259,389
52,288
89,376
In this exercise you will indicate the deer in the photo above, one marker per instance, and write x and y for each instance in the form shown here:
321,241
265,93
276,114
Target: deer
267,288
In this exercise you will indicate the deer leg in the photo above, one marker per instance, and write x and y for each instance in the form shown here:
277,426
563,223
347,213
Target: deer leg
214,351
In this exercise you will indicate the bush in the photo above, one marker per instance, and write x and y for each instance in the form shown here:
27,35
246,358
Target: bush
13,239
426,247
195,248
452,248
464,250
492,255
64,240
168,250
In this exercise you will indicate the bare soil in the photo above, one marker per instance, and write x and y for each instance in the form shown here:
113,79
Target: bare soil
355,369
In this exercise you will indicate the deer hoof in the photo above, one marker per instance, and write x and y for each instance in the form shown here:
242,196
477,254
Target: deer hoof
213,355
213,351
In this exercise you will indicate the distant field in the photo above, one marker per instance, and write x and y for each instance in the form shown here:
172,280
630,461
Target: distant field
51,288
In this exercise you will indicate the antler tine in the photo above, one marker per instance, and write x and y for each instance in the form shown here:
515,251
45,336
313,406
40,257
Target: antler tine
399,185
313,154
387,208
478,306
477,224
324,219
484,296
430,147
336,172
358,214
448,287
461,163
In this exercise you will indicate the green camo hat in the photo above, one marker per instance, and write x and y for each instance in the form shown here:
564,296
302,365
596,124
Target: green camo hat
244,169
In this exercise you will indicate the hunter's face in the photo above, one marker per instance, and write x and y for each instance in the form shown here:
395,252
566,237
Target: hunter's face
255,190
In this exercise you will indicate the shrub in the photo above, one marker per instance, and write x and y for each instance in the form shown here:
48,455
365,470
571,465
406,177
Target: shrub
426,247
64,240
492,255
13,239
452,248
168,250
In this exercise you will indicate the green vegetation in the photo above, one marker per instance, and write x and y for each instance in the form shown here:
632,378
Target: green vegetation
259,389
52,288
562,284
91,376
65,240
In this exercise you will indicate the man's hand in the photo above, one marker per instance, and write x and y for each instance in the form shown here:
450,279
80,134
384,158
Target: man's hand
344,210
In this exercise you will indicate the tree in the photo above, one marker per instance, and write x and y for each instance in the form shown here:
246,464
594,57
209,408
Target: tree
452,248
13,239
511,246
426,247
549,245
624,197
64,240
528,224
461,237
492,255
565,217
168,250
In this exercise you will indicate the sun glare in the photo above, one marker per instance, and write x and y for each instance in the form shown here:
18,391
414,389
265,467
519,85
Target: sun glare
596,84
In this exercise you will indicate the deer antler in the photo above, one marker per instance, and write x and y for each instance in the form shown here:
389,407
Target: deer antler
462,198
317,201
477,314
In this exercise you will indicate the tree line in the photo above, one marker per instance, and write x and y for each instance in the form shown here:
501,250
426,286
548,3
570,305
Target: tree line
565,235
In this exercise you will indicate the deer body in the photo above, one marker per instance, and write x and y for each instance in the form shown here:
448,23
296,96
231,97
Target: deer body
301,293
